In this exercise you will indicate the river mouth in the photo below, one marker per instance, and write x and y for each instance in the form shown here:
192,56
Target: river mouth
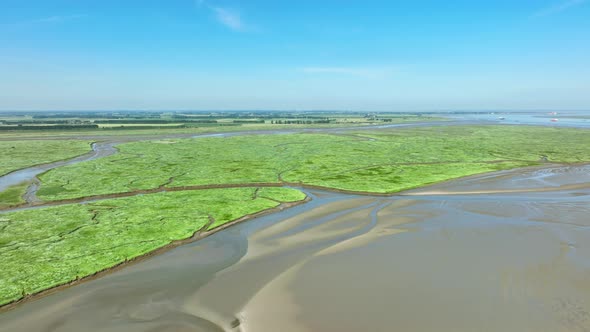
508,251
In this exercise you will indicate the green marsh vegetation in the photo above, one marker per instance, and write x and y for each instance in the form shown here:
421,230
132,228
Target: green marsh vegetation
384,161
13,195
47,247
20,154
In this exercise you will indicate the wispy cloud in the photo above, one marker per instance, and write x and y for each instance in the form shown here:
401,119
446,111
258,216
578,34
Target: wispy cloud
226,16
558,7
366,72
229,18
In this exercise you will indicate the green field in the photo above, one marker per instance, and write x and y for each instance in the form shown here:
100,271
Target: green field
223,125
21,154
43,248
383,161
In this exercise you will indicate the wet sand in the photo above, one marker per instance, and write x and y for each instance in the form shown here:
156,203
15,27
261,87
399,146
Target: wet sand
494,252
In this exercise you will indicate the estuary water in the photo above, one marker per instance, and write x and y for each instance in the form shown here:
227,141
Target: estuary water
580,119
506,251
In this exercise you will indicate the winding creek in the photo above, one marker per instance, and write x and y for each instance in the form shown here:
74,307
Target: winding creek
99,150
504,251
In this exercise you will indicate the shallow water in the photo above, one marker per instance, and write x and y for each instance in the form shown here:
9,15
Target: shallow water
448,258
580,119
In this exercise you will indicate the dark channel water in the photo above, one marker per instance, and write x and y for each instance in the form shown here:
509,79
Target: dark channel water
508,251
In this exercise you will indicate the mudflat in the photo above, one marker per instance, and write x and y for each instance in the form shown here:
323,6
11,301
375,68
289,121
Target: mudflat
454,261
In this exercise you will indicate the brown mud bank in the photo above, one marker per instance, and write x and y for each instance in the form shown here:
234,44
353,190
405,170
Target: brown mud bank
503,261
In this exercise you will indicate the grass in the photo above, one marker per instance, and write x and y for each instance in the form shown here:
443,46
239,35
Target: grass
20,154
383,161
13,195
43,248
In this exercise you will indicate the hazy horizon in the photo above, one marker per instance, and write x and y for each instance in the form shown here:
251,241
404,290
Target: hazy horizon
297,110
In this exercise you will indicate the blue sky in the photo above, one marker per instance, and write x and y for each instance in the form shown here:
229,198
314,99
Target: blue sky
353,55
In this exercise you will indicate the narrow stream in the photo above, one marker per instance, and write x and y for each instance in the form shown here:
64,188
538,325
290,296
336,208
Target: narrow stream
99,150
